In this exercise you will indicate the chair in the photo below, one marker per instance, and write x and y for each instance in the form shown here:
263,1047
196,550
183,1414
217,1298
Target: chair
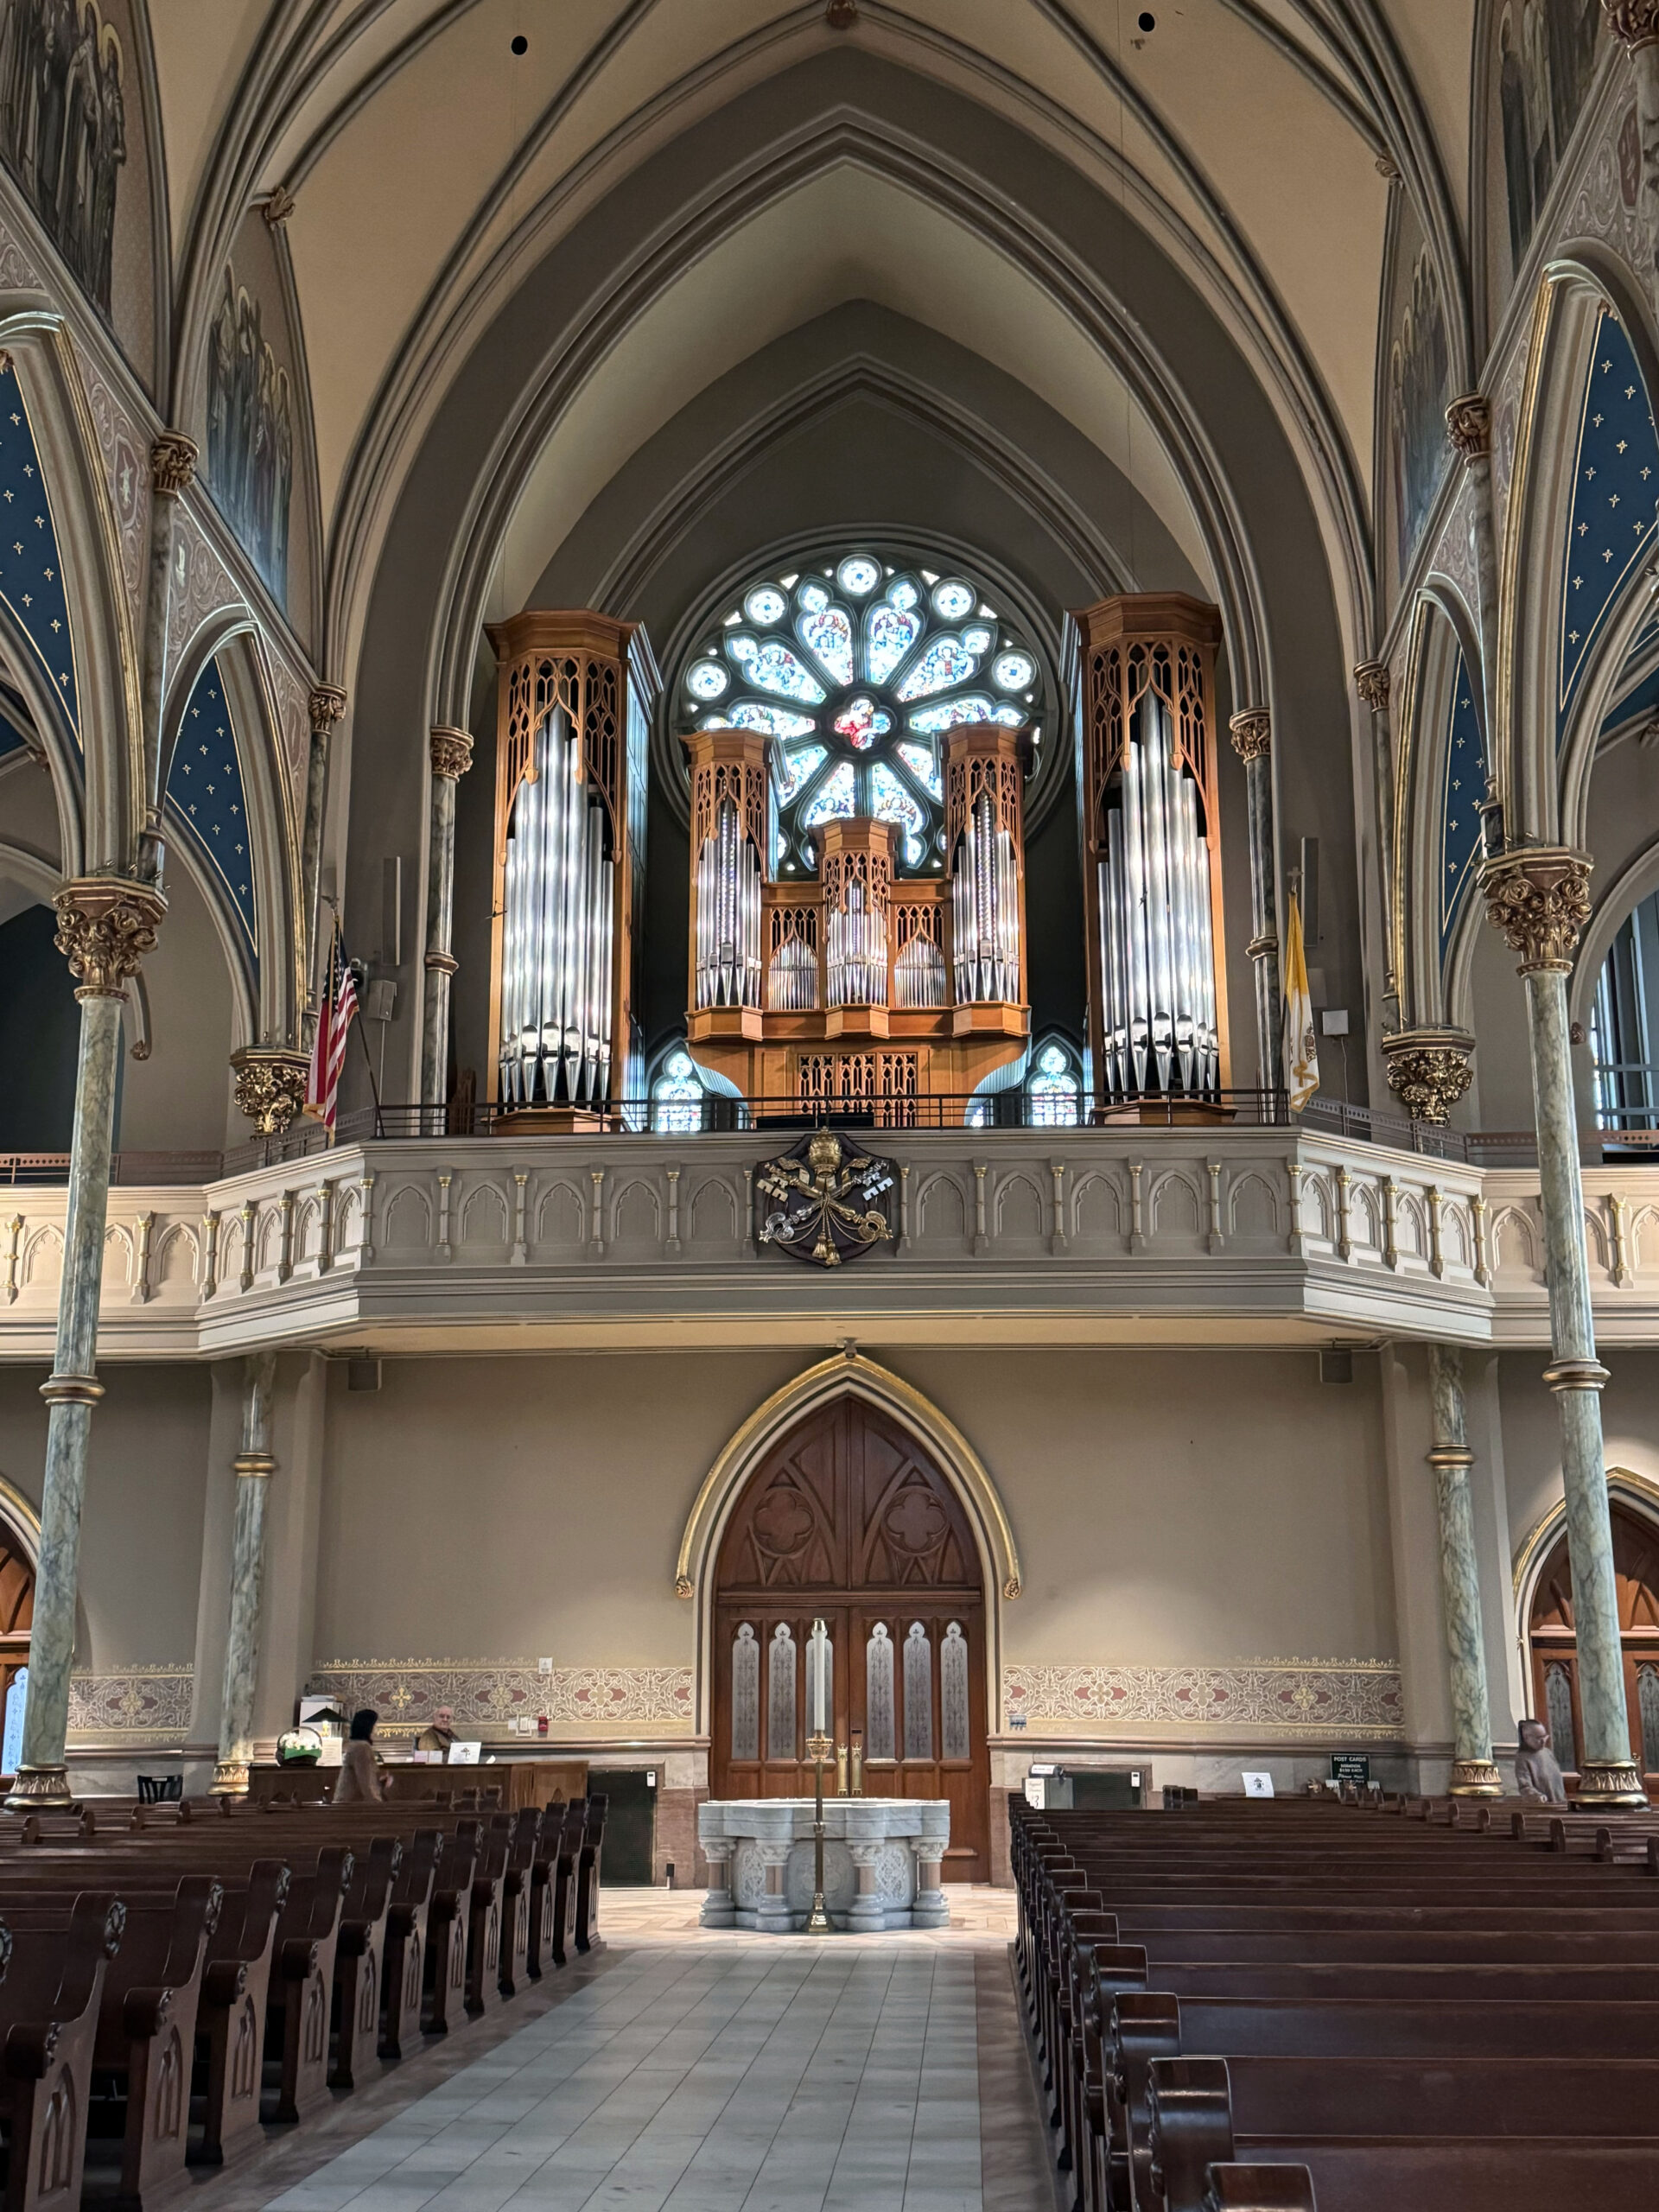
161,1789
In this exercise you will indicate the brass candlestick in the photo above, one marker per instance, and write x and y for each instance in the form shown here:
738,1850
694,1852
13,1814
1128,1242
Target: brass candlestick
817,1921
841,1769
858,1763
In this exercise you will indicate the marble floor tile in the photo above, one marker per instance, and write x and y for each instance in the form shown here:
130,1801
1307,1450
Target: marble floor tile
683,2071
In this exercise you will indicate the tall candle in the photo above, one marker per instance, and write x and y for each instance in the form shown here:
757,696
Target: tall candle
820,1716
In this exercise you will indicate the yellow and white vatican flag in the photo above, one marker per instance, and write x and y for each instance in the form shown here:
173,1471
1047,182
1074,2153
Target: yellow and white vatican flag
1301,1051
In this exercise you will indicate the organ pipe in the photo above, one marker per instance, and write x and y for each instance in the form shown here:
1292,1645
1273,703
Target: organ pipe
728,915
985,910
1157,961
857,950
557,938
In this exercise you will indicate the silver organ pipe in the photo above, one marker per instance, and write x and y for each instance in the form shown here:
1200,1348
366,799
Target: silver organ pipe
985,910
857,951
793,985
1157,957
728,915
557,932
918,975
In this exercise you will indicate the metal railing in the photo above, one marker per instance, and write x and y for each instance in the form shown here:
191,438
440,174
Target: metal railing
786,1117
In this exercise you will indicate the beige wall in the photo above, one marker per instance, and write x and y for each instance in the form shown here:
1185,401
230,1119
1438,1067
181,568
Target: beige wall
146,1487
1169,1507
1532,1435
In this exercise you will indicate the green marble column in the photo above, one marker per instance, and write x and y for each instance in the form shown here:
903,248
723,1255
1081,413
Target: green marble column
105,925
1473,1774
1538,897
254,1468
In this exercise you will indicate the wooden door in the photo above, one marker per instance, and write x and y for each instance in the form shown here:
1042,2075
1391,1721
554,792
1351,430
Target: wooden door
849,1521
1554,1640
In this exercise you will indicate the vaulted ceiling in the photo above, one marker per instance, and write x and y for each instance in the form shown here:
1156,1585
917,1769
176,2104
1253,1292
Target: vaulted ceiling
434,171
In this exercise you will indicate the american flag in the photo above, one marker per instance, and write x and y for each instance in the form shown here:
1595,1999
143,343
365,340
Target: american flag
334,1018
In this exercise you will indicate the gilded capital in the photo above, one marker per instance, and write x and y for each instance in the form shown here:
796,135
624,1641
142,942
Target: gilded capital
1539,897
1371,682
1429,1071
269,1087
452,752
1252,733
172,463
1469,425
328,704
1633,22
105,926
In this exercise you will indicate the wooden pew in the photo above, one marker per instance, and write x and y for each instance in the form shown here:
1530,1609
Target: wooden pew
50,2006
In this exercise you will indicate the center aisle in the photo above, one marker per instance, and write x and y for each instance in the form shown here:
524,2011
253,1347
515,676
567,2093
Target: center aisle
709,2073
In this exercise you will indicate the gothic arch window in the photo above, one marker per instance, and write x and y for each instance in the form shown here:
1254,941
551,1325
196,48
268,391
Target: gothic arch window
677,1096
1054,1088
853,667
1624,1024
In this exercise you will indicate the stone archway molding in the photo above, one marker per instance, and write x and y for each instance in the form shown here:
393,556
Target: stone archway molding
849,1374
1637,1494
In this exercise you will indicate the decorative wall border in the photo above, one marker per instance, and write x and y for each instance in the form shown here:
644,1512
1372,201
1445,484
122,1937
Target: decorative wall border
486,1693
141,1705
1357,1699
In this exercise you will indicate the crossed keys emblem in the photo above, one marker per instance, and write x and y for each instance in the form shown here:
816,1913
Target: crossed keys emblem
826,1200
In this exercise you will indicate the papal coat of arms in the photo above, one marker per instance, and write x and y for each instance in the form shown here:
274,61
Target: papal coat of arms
825,1200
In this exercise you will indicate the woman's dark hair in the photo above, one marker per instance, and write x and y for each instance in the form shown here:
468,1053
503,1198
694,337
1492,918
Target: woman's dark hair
363,1724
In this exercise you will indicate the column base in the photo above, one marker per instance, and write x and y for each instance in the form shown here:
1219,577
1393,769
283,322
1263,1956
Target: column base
1475,1778
1616,1783
40,1788
231,1778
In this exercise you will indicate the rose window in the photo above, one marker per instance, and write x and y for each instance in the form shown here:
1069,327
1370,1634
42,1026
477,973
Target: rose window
854,669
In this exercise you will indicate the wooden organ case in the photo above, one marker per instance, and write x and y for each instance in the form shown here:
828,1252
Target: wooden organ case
577,692
1141,674
860,989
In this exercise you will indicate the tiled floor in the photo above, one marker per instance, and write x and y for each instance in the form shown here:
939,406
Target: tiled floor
680,2072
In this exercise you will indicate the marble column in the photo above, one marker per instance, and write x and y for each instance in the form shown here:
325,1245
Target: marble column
1372,683
452,755
328,704
719,1906
105,926
254,1467
1252,735
867,1910
1635,24
1473,1774
1469,425
172,470
1538,897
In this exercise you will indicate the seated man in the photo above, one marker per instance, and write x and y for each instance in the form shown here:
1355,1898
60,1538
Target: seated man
1537,1772
440,1734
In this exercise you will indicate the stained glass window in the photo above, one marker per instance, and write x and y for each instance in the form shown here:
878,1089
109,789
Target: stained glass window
676,1097
853,667
1053,1090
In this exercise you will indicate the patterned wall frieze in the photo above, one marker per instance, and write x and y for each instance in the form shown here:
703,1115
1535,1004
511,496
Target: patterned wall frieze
140,1704
291,690
1356,1698
488,1693
1454,554
200,585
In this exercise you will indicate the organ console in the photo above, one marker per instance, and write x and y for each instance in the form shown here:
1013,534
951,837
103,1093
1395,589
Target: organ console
577,692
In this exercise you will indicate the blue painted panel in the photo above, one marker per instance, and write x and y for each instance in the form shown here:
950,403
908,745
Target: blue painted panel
1616,483
1463,785
11,738
31,575
205,789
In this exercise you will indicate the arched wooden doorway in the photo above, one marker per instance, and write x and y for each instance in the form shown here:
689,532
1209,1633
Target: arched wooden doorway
1555,1648
848,1519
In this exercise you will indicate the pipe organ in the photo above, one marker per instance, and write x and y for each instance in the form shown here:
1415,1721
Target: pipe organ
1142,672
861,986
577,692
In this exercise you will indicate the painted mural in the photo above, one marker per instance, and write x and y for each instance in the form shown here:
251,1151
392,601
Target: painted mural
1545,58
1418,372
251,432
71,132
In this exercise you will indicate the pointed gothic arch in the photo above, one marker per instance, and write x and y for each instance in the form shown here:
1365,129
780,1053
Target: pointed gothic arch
848,1375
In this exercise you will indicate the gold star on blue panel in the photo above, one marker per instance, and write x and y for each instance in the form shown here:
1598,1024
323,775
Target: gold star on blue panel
205,791
31,575
1463,786
1611,528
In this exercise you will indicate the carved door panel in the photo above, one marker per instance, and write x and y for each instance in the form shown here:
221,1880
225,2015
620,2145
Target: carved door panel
848,1522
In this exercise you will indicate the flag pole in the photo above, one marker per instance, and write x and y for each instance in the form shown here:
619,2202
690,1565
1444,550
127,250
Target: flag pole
360,1026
